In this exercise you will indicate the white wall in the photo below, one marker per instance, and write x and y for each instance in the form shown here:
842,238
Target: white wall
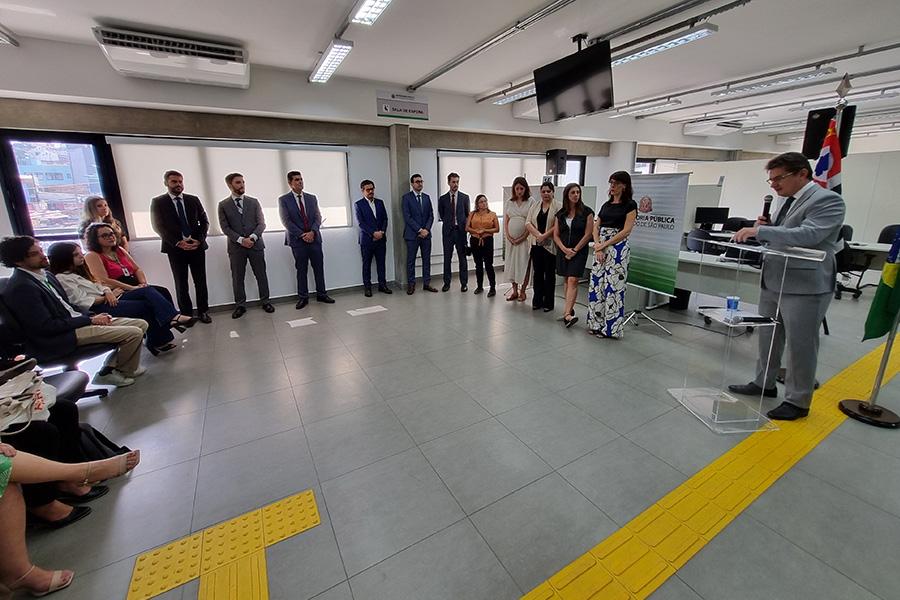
870,186
33,71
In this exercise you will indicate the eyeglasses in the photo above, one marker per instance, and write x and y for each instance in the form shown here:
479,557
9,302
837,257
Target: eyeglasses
614,182
780,177
107,235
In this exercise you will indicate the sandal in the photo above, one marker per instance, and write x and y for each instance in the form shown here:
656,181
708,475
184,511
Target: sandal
570,322
511,296
58,580
122,459
522,296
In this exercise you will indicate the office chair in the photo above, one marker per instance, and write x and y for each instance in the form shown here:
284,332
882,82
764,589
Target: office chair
850,263
696,242
737,223
888,234
12,343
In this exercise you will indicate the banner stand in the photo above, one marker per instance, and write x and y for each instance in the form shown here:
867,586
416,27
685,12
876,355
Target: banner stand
869,412
638,313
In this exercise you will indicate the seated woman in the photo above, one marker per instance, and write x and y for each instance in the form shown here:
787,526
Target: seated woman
51,431
147,303
96,210
16,570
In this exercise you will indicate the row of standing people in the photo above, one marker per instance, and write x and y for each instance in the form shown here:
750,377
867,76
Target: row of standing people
544,239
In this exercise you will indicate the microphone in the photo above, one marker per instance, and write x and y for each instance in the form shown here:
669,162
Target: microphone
767,206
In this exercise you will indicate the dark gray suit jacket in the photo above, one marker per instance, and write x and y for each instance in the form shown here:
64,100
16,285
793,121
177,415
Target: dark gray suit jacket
236,225
813,221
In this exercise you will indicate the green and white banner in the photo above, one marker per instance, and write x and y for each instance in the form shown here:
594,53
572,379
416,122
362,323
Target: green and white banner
656,238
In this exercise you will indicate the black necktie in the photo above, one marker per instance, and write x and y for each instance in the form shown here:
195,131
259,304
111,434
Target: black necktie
182,217
784,211
453,208
237,202
422,206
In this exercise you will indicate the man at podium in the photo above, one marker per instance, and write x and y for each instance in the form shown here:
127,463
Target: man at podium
810,217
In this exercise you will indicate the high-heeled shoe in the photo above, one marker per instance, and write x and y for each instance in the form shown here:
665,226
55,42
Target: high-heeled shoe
166,348
59,580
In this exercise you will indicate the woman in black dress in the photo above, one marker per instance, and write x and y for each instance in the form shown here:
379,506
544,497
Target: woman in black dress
572,232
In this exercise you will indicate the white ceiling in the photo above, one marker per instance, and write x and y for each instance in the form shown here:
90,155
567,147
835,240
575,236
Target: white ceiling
413,37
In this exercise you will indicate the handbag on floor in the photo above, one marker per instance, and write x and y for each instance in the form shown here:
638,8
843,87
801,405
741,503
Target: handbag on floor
97,446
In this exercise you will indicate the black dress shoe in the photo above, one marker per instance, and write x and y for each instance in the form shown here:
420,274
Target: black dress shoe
97,491
410,289
385,289
535,307
464,289
326,299
548,308
368,292
446,287
268,307
301,303
429,288
238,312
751,389
478,290
78,513
204,318
787,412
492,292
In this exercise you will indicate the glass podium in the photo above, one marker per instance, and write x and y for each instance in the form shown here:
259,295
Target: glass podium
724,268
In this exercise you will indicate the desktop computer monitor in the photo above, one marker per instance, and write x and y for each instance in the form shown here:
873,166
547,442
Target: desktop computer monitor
708,216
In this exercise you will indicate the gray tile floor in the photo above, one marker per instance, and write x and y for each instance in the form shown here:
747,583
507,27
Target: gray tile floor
466,447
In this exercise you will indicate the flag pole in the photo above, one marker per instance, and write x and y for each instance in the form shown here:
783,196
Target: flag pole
869,412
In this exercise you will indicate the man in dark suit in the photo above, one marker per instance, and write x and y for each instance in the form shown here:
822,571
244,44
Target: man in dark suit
302,219
182,225
453,210
798,297
242,221
418,217
53,328
372,218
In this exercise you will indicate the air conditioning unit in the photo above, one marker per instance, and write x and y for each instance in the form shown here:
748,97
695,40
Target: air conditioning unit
167,58
705,128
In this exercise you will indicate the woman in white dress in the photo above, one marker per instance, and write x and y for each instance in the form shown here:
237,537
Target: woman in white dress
515,261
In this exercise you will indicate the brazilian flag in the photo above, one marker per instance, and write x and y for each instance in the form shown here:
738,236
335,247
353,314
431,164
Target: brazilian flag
887,298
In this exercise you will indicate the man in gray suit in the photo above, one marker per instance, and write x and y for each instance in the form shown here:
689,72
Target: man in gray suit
811,217
242,221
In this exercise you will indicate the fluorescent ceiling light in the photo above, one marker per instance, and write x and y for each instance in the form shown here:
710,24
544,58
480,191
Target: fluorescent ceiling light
851,98
636,110
776,82
667,43
330,60
520,95
366,12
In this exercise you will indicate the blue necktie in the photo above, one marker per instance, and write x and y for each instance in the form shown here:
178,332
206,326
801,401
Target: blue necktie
182,217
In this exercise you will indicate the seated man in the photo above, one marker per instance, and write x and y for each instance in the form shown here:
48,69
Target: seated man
53,328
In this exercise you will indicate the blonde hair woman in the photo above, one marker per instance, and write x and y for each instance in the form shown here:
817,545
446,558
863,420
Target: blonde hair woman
96,210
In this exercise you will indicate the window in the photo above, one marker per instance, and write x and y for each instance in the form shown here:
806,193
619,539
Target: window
644,166
574,171
204,164
489,175
47,176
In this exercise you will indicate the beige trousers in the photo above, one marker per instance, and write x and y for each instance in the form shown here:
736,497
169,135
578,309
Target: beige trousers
126,333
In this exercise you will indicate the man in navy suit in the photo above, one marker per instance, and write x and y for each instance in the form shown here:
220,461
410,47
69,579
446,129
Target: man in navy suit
453,209
372,218
181,223
302,219
418,217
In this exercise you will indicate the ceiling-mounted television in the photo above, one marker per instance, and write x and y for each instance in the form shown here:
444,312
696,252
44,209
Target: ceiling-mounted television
578,84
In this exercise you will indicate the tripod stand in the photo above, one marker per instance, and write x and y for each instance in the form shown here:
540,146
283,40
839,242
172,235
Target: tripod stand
638,313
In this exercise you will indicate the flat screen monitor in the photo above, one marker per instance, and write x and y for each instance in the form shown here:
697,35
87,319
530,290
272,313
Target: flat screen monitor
578,84
711,215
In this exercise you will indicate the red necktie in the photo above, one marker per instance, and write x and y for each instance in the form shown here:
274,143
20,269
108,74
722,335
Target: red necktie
303,213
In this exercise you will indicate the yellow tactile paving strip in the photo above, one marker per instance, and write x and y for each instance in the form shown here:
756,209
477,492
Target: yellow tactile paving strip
633,562
229,558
